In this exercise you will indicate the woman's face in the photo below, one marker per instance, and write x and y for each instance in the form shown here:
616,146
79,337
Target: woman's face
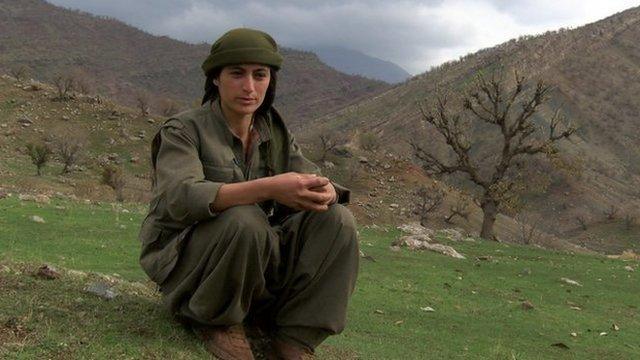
242,87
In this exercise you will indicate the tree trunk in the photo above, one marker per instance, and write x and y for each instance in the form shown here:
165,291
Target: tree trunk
490,210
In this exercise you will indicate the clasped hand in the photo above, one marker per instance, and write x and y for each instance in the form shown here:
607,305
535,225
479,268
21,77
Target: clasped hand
303,191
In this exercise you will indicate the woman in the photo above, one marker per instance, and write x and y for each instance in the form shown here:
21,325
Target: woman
242,229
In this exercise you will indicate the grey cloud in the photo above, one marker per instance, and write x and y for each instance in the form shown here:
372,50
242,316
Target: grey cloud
411,33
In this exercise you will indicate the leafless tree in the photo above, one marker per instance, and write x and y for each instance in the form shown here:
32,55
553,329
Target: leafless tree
460,208
19,73
82,81
40,155
113,176
611,212
65,84
142,100
511,111
328,142
582,221
69,150
428,199
529,228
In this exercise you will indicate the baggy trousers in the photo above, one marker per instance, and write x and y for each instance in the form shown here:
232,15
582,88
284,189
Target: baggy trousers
297,276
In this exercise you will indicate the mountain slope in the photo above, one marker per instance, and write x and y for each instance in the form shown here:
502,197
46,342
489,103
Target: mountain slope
121,61
354,62
596,73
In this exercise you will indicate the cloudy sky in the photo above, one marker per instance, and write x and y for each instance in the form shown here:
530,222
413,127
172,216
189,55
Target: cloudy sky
413,34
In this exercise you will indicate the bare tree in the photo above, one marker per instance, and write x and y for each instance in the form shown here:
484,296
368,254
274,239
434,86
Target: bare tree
511,111
39,154
65,84
142,100
582,221
69,150
529,228
82,81
461,209
328,142
19,73
113,176
428,199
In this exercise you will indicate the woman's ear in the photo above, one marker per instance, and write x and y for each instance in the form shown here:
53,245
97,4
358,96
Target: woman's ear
215,82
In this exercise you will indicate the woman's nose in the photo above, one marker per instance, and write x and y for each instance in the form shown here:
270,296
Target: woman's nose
248,84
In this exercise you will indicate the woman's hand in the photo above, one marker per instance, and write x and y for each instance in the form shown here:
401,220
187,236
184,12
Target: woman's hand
302,191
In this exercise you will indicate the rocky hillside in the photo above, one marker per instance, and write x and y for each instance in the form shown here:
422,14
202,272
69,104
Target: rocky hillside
120,61
596,73
111,135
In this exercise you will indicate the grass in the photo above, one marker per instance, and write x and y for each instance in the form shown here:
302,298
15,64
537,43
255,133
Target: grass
478,303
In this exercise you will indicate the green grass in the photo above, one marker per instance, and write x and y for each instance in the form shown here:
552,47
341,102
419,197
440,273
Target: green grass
477,303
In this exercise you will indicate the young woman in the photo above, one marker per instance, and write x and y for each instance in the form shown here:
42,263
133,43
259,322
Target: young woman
242,229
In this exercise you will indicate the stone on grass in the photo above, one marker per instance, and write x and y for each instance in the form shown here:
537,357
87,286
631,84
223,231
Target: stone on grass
570,282
102,289
422,242
414,228
527,305
452,234
47,272
37,219
629,268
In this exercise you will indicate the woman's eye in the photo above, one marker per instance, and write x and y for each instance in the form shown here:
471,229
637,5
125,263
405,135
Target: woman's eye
260,75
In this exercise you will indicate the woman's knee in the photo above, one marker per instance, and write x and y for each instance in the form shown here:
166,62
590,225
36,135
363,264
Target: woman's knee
339,218
245,225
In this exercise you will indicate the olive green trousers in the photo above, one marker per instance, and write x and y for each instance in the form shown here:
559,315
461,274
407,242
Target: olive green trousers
296,277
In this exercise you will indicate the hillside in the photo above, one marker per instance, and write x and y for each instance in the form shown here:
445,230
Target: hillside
596,73
120,61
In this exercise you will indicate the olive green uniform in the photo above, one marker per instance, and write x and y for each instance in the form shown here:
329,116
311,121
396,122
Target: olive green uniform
296,270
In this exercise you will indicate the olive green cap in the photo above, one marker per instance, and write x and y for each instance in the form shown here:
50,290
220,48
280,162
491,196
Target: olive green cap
242,46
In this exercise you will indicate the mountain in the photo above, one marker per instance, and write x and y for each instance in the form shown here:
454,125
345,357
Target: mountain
355,62
595,70
121,61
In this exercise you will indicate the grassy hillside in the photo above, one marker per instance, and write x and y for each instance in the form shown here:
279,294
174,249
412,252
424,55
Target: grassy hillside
477,302
121,61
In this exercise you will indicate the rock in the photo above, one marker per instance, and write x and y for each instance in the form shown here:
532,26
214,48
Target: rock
427,309
47,272
363,160
37,219
328,165
414,228
24,121
422,242
135,159
42,199
452,234
65,118
629,268
394,206
151,121
527,305
570,282
101,289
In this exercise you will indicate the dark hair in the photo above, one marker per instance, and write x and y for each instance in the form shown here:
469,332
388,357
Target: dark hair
211,91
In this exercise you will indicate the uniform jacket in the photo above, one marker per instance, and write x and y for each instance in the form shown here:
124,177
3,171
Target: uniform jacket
193,155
